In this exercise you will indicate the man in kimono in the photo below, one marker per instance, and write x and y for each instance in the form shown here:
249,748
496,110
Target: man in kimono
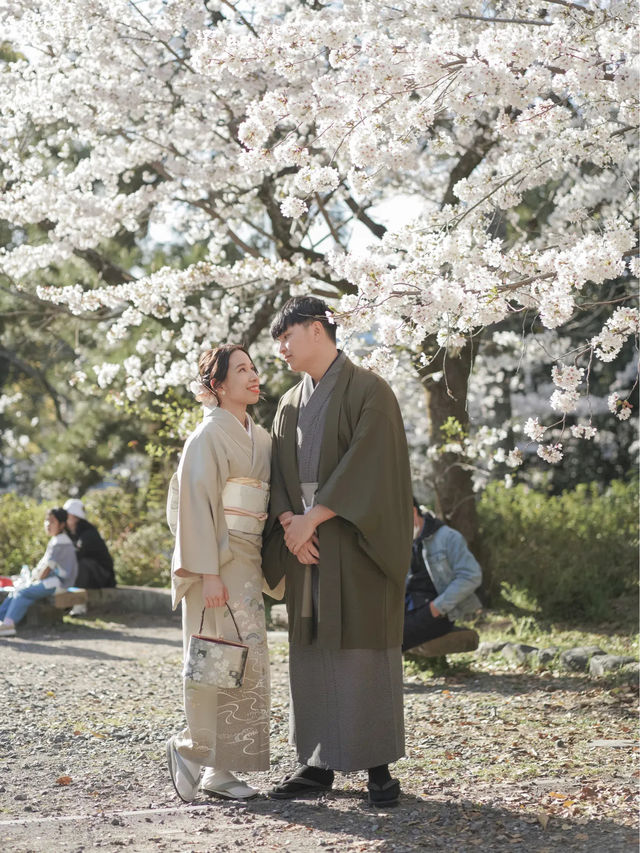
340,530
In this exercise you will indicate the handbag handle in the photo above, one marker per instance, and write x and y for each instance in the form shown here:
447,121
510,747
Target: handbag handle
235,624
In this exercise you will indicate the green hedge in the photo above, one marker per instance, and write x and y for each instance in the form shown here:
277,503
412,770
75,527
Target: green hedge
565,555
22,534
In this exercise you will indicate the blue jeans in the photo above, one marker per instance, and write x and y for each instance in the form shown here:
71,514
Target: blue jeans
19,601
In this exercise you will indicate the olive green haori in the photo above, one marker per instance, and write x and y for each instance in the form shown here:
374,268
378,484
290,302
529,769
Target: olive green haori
365,550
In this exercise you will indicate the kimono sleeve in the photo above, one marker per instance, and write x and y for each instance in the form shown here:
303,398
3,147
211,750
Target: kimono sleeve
371,486
202,537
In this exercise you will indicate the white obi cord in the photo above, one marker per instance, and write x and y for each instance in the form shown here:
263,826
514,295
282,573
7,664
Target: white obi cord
245,503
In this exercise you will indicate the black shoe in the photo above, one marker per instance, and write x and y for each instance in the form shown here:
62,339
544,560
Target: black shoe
384,795
303,781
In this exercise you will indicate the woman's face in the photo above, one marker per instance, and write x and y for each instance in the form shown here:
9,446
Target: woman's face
242,385
52,525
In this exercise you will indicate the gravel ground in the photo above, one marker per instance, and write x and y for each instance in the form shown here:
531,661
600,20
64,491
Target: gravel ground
496,760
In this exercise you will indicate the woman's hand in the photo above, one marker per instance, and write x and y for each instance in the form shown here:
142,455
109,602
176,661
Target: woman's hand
285,517
299,529
214,592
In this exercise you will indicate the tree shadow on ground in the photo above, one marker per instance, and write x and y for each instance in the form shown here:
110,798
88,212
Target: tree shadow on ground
507,684
43,646
461,825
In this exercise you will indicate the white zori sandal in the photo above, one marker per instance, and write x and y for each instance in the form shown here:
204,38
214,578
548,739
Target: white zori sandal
222,783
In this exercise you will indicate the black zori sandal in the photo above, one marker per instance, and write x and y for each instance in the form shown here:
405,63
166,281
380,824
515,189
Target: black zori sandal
305,780
384,795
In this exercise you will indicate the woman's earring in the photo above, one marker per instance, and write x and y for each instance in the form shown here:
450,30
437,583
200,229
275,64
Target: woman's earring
222,391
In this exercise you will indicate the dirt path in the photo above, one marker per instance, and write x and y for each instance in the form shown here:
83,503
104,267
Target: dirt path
496,760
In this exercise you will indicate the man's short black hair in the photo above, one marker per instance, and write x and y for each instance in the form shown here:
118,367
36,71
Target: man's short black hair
303,309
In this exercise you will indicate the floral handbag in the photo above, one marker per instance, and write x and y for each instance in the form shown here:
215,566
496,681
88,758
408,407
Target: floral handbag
214,662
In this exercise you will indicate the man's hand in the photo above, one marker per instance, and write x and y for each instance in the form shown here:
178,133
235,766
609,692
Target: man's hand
309,554
214,592
434,610
299,529
44,573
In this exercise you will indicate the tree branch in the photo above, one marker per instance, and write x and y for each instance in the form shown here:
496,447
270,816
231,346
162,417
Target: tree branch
527,22
36,374
362,216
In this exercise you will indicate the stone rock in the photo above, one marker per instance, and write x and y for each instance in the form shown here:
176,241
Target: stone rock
577,659
517,652
547,655
490,648
602,664
279,616
631,671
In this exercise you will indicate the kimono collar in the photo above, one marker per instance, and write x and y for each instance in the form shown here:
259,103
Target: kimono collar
231,425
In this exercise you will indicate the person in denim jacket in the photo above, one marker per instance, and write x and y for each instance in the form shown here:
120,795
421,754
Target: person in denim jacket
441,580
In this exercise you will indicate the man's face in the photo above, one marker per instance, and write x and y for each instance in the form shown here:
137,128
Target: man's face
418,521
72,522
298,345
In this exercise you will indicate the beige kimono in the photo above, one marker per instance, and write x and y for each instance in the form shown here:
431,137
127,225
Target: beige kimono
226,729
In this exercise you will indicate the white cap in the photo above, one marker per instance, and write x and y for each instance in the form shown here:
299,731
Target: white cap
74,507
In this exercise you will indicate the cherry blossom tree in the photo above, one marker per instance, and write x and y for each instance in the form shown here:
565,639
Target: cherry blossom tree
441,172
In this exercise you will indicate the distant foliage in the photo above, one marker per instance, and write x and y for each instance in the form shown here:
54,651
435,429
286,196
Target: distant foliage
22,534
569,554
137,535
143,556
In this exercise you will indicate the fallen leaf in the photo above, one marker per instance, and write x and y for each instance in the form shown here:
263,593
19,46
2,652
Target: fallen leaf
582,836
64,780
50,693
557,795
543,820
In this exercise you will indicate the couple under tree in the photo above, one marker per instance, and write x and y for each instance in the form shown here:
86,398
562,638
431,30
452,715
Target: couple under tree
323,508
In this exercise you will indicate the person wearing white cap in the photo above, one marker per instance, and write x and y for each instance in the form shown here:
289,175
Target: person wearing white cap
95,563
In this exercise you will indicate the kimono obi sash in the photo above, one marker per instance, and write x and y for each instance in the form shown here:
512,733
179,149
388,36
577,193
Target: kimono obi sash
245,503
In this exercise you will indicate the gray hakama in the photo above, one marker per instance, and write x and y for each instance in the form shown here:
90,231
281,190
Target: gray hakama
346,710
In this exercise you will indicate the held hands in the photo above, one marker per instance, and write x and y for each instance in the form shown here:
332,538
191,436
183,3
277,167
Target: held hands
307,552
299,530
214,592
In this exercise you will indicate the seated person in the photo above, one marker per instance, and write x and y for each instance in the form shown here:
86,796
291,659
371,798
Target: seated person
56,570
442,577
95,563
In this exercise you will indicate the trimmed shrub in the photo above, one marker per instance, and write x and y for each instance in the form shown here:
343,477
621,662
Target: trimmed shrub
568,554
22,534
142,557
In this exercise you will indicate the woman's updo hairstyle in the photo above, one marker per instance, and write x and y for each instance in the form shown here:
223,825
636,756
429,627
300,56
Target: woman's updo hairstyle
59,514
213,366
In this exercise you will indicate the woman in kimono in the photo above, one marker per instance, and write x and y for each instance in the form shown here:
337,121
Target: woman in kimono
219,512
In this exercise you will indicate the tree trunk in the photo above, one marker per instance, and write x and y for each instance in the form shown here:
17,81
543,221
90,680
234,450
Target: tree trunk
445,383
